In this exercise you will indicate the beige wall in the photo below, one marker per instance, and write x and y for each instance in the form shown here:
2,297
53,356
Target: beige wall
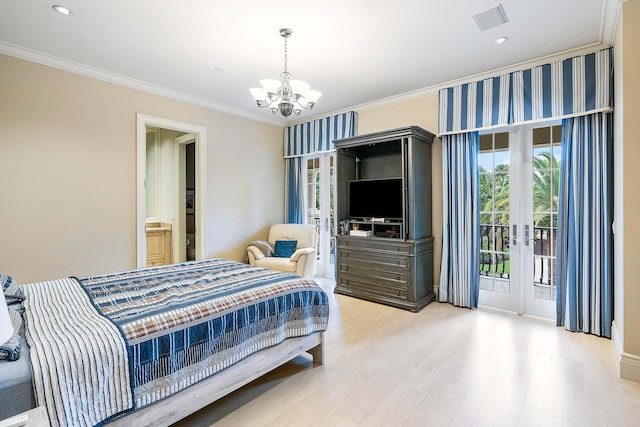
423,112
628,290
618,190
68,173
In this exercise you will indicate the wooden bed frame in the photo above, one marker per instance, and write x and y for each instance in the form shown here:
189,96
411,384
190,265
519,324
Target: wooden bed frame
196,397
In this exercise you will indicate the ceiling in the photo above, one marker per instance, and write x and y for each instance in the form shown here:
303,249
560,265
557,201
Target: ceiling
354,51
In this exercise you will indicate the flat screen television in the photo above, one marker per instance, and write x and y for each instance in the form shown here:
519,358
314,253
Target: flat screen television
380,198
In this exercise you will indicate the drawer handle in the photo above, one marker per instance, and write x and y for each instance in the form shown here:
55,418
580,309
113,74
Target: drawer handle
397,277
398,262
346,255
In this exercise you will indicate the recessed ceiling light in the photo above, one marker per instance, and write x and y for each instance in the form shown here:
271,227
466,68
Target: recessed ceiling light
63,10
501,40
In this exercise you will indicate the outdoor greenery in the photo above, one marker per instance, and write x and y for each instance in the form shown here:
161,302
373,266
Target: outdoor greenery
546,177
495,269
494,207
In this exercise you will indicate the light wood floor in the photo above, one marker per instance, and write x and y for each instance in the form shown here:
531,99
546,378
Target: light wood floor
444,366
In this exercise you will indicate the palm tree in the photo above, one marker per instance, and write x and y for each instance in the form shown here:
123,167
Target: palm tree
495,197
546,180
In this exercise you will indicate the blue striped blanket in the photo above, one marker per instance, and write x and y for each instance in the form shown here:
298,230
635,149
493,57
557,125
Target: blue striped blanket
103,346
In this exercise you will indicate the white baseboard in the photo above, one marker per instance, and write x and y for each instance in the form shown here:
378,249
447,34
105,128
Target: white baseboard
630,367
628,364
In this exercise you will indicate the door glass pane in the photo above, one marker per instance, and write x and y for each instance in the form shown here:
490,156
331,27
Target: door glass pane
313,196
493,161
486,191
546,166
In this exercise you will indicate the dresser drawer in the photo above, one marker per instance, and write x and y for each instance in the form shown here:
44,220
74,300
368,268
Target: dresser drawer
377,245
353,284
373,279
380,261
365,270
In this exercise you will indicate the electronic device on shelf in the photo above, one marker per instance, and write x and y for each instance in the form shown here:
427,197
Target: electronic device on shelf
375,198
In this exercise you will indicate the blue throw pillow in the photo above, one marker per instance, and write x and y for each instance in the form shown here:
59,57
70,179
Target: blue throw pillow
285,248
5,281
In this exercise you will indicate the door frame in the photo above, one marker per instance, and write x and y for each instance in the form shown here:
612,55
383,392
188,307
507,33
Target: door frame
534,307
179,249
200,132
325,225
324,266
514,300
521,299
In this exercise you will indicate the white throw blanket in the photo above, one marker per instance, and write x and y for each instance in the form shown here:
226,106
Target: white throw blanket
83,381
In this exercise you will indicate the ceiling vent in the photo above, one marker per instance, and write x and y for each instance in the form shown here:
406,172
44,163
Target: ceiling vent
491,18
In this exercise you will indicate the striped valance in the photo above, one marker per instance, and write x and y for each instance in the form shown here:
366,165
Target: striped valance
475,105
317,136
572,87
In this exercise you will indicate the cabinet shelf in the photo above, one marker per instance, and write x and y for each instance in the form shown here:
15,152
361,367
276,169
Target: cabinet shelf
379,229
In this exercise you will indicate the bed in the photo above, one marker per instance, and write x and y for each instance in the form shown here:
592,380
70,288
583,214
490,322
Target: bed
150,346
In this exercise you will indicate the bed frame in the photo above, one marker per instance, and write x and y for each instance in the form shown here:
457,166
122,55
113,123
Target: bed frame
196,397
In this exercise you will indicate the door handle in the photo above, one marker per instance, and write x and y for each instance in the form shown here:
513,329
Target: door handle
526,234
515,235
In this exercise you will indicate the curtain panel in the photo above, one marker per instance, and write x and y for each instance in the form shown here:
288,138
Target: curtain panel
585,243
460,271
295,188
568,88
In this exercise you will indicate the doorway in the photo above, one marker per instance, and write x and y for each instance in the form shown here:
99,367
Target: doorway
320,209
174,177
185,203
519,173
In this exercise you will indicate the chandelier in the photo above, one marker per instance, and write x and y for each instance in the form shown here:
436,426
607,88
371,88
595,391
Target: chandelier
285,96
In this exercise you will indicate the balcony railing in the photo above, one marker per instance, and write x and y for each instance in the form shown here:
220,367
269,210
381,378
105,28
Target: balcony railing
495,257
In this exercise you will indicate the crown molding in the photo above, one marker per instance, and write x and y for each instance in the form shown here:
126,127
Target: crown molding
611,10
121,80
432,90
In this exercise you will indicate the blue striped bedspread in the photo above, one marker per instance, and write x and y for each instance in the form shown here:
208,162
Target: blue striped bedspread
103,346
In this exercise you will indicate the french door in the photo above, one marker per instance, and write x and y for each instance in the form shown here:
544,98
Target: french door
320,208
518,179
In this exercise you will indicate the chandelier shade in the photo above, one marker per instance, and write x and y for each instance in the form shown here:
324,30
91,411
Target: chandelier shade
285,96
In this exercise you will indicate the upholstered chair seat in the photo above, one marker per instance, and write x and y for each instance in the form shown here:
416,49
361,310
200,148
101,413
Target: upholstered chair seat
303,260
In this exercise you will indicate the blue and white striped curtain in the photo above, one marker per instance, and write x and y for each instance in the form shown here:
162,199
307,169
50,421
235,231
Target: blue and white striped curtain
476,105
460,270
314,137
295,187
569,88
300,139
303,140
562,90
584,293
333,128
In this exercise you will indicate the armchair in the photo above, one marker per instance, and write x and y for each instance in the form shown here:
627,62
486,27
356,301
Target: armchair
303,261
